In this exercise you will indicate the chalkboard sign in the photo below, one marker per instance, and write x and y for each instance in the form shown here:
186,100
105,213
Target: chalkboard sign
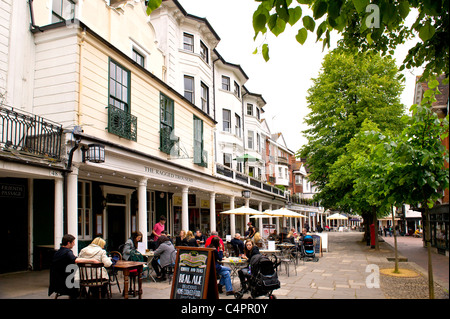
195,274
317,244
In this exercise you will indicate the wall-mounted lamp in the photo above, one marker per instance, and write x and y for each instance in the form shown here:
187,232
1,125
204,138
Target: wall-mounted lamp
246,193
94,153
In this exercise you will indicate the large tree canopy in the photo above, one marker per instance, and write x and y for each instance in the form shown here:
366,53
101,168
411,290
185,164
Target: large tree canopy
350,88
377,25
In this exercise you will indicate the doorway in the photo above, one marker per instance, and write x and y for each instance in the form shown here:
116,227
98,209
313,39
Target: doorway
116,226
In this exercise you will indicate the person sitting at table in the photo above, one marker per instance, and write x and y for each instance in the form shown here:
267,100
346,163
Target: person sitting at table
250,251
257,238
274,236
60,268
289,238
222,271
201,239
163,256
237,244
190,239
130,244
213,235
96,251
180,240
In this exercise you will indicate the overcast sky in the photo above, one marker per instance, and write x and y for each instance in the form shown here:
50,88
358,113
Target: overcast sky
285,79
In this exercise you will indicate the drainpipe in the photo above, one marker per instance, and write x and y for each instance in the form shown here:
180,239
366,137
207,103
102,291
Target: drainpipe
68,170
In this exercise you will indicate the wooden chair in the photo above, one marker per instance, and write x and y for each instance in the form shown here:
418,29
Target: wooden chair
91,277
112,272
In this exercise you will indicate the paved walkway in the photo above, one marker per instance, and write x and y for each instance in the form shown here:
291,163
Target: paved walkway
343,272
413,249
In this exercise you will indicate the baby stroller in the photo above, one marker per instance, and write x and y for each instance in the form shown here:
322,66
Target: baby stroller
262,279
307,251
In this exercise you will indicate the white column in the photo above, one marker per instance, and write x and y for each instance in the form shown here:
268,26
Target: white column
270,218
212,211
59,211
232,218
260,225
184,208
247,217
142,210
72,206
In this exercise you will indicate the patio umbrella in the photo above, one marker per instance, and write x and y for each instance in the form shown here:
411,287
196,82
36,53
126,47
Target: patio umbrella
283,212
262,216
244,210
245,158
337,216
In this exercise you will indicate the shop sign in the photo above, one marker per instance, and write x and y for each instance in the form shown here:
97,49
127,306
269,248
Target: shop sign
12,191
166,174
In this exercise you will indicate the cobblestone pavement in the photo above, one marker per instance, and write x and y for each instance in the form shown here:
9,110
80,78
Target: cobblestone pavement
346,271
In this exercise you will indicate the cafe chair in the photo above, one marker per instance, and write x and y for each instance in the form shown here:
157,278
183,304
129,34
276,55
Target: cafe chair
112,272
169,269
136,256
92,280
287,258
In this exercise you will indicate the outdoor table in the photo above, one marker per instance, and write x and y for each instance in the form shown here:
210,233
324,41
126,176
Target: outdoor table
126,266
235,264
149,255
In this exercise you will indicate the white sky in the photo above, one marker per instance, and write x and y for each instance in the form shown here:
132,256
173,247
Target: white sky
284,80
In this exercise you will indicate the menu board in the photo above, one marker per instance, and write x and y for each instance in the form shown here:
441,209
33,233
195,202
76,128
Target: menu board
194,274
317,244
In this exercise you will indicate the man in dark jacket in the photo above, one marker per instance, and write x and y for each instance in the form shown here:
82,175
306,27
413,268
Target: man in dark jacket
60,269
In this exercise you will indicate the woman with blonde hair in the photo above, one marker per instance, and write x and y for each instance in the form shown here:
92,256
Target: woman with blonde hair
95,251
190,239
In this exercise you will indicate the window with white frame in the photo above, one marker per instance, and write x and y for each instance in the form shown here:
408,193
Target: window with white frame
84,210
137,57
227,160
205,97
225,83
204,52
188,42
237,89
250,137
298,179
249,109
189,88
226,119
238,125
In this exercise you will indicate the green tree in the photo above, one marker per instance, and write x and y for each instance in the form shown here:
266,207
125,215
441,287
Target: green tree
367,25
349,89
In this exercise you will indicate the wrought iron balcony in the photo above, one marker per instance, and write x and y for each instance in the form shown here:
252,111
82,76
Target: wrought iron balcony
29,134
122,123
224,171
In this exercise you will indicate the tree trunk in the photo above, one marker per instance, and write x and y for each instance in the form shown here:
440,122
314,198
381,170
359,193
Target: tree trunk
427,232
375,222
395,241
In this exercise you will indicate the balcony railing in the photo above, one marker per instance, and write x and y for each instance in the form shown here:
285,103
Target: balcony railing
225,171
122,123
29,134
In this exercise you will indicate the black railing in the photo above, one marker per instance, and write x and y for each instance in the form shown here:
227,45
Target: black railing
29,134
222,170
122,123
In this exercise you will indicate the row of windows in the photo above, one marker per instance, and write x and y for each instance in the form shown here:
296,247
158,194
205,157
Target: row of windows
188,45
119,97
